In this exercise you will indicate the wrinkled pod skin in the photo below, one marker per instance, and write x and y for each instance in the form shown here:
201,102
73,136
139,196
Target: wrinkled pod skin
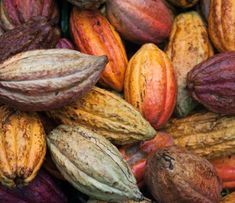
101,172
41,190
138,20
93,34
87,4
212,83
22,146
184,3
188,46
175,175
221,24
42,80
14,12
150,85
37,33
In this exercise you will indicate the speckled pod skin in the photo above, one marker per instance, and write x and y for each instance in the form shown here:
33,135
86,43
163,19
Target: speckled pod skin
188,46
174,175
108,115
212,83
207,134
93,34
42,80
184,3
22,146
141,21
87,4
150,85
221,24
15,12
100,172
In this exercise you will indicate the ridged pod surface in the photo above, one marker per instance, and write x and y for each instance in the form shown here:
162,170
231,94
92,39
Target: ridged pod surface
100,172
141,21
22,146
41,190
93,34
207,134
188,46
184,3
106,114
221,24
87,4
48,79
212,83
150,84
37,33
17,12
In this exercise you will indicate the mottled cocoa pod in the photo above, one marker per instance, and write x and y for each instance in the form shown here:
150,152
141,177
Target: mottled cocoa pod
64,43
221,24
22,146
108,115
184,3
100,172
207,134
35,34
87,4
212,83
41,190
230,198
150,85
138,20
93,34
175,175
43,80
188,46
15,12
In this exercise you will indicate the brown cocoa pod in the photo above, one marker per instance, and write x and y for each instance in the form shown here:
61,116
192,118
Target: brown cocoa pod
41,190
221,24
141,21
212,83
176,175
184,3
15,12
87,4
43,80
34,34
64,43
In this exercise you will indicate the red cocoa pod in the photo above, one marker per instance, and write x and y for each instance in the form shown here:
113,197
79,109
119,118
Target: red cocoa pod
225,168
42,190
15,12
136,154
212,83
64,43
37,33
93,34
141,21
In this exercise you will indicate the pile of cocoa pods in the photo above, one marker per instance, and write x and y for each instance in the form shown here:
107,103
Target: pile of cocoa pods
117,101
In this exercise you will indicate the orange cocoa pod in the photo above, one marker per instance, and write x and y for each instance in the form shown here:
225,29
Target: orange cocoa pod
93,34
221,24
225,168
150,84
229,198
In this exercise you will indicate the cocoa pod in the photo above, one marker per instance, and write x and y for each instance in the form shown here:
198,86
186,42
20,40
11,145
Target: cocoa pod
35,34
175,175
188,46
212,83
128,201
225,167
108,115
42,80
87,4
22,147
229,198
221,24
64,43
207,134
138,20
150,85
184,3
93,34
100,173
15,12
42,189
